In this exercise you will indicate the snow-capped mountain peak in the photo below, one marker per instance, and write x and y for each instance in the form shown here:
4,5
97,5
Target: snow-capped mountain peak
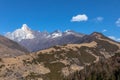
23,33
25,27
68,32
56,34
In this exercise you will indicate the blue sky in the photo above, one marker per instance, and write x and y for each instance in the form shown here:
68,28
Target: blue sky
85,16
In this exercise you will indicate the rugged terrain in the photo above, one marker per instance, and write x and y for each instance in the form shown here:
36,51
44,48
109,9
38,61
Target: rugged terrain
9,48
108,69
59,62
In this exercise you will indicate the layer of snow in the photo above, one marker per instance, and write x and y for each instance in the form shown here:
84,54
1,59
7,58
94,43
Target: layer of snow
69,32
55,35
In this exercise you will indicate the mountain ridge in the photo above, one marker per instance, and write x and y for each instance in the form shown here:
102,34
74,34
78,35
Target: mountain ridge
42,40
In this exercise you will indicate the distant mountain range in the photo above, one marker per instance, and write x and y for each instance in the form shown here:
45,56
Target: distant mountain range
35,40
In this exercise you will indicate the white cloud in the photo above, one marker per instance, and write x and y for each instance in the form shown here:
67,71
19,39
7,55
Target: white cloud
104,30
99,19
114,38
79,18
118,22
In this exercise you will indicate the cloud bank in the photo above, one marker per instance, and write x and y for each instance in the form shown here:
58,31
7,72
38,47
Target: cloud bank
118,22
99,19
79,18
104,30
114,38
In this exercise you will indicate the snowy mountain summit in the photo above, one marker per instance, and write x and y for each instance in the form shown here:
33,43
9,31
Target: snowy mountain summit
56,34
23,33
